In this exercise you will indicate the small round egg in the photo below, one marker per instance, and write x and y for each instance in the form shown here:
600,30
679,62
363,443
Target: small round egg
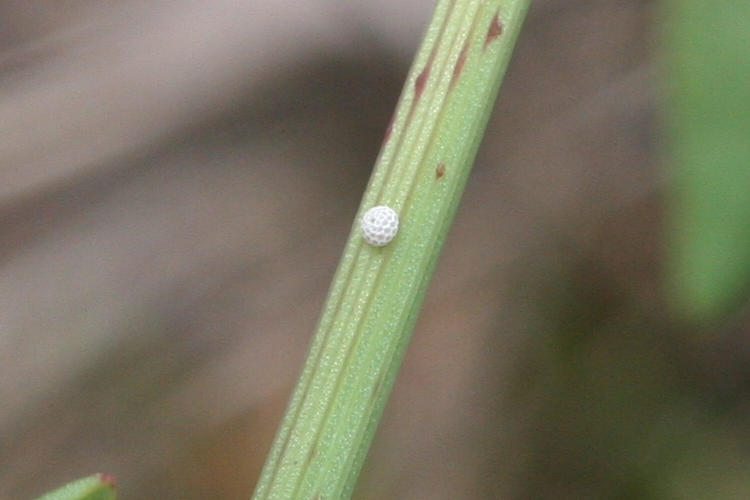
379,225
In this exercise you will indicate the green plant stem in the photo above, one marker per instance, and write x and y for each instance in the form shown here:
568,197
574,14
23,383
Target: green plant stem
96,487
376,293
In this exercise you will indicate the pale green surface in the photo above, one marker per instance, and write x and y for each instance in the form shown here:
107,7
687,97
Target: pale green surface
707,52
94,487
377,292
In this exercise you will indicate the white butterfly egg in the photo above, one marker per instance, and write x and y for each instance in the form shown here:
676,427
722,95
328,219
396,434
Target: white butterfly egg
379,225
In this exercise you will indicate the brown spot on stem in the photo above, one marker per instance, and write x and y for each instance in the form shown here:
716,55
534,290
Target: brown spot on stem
313,453
421,80
460,63
494,31
440,171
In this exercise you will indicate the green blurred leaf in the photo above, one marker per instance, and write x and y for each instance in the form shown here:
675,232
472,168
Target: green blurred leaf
707,51
96,487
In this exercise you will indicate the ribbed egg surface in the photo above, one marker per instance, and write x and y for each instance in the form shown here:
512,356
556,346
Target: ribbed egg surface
379,225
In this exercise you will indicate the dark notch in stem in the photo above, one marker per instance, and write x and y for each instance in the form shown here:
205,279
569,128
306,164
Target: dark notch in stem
494,31
388,130
421,80
440,171
460,63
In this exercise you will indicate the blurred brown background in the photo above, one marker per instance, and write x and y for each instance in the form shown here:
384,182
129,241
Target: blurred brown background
177,180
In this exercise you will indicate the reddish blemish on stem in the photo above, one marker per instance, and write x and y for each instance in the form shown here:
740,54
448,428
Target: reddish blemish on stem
421,80
107,479
494,31
460,63
440,171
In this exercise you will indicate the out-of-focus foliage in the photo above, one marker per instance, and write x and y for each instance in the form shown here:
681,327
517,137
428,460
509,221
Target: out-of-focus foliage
615,402
707,52
96,487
